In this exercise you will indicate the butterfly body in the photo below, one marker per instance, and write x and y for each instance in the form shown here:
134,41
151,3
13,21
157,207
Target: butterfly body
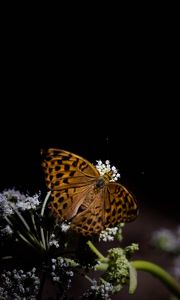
79,193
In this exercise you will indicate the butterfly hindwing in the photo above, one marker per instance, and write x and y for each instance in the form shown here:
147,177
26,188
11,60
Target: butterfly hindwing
66,203
91,220
120,205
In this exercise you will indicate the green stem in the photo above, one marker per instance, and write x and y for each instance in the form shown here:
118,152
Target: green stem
95,250
101,267
89,279
26,236
44,203
20,217
160,273
42,215
33,222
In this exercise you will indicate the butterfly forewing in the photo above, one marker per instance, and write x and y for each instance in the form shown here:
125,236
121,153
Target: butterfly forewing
64,169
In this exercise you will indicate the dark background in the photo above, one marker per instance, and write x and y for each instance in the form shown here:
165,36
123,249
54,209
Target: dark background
107,95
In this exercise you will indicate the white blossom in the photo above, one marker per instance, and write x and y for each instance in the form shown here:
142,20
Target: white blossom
11,199
7,230
104,290
17,284
53,241
108,234
65,226
104,168
61,271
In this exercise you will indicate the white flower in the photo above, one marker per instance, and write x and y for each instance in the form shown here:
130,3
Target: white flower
61,271
65,227
102,290
5,208
11,199
53,241
6,230
105,168
14,285
108,234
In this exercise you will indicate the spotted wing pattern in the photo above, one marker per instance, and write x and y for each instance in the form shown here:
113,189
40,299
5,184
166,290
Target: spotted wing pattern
69,177
120,205
110,206
74,195
91,220
64,169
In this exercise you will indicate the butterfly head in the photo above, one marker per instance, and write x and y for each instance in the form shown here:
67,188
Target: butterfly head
103,180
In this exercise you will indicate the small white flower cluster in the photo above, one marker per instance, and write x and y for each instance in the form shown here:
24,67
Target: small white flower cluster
108,234
104,290
19,285
53,241
61,271
12,199
5,208
7,230
65,226
105,168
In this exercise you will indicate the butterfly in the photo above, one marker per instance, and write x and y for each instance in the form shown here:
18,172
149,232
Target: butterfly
80,194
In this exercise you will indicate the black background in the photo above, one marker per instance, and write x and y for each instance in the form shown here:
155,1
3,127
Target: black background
109,91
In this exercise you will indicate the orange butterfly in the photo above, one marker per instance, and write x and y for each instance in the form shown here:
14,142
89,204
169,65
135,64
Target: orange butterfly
79,193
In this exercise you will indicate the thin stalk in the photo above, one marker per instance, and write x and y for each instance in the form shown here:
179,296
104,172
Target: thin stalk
42,214
42,237
101,267
21,218
35,228
44,203
33,222
30,239
95,250
89,279
25,240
